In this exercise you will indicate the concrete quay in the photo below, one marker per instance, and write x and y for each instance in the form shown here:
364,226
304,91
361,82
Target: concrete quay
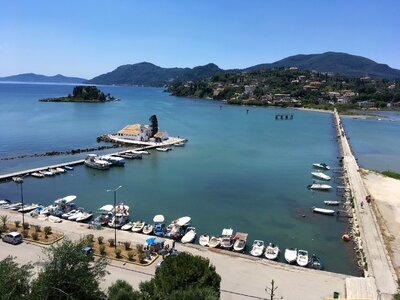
380,278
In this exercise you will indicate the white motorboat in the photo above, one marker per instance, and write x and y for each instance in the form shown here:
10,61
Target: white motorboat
330,202
204,239
37,175
227,239
257,248
138,226
65,200
17,179
323,211
54,219
180,144
117,161
184,221
49,209
4,203
302,258
323,166
105,214
271,252
189,236
127,226
214,242
143,152
46,173
121,216
84,217
321,176
60,170
240,241
15,206
321,187
54,171
94,162
69,213
163,149
76,215
147,229
28,208
290,255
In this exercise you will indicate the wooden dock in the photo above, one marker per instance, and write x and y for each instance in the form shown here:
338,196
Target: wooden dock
23,173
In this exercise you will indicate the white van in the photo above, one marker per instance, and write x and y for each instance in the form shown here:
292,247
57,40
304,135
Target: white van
12,238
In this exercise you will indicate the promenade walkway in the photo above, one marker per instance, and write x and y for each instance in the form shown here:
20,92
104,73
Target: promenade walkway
379,264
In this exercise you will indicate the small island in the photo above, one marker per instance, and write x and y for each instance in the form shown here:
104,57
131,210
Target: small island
89,94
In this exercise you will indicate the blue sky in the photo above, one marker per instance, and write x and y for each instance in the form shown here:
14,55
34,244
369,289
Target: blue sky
88,38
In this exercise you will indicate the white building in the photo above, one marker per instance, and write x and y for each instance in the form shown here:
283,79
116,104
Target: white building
137,132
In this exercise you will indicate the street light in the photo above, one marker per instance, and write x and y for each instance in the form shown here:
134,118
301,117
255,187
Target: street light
115,205
22,201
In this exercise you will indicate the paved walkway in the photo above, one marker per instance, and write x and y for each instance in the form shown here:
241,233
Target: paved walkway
379,264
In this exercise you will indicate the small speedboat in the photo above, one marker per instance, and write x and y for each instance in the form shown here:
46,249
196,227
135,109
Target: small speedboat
4,203
323,166
69,213
163,149
319,186
204,239
17,179
227,239
28,208
290,255
189,236
240,241
60,170
116,161
15,206
321,176
84,217
76,215
68,168
65,200
159,225
54,171
147,229
323,211
138,226
271,252
180,144
46,173
257,248
142,152
302,258
127,226
214,242
37,175
316,262
330,202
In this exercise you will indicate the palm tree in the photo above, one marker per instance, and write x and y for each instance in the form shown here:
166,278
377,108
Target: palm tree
4,219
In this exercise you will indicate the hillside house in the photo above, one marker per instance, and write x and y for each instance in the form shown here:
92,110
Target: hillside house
137,132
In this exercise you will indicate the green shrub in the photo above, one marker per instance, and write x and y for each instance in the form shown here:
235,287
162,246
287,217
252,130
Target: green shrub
111,242
25,226
47,231
38,228
17,223
100,239
90,238
118,253
24,233
102,250
127,245
130,255
4,219
35,236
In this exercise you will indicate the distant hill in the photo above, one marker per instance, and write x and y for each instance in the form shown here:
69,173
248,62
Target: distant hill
148,74
31,77
335,62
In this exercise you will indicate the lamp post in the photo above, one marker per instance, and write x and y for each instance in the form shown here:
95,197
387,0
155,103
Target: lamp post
22,201
115,204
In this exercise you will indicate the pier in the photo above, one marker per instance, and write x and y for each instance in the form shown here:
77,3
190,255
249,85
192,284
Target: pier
144,146
380,278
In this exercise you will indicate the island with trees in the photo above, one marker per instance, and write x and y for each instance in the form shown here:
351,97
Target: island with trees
89,94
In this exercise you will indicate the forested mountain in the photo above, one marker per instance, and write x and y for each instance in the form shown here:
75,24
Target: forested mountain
31,77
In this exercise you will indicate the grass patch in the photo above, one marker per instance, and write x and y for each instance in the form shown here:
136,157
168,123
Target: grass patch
391,174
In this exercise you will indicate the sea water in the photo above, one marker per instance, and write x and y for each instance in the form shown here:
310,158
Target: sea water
240,169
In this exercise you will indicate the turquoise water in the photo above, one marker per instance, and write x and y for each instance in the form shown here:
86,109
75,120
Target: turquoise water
375,143
239,170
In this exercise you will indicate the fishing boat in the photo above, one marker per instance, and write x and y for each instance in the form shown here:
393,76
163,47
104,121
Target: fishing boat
138,226
163,149
92,161
105,215
178,228
120,217
323,211
46,173
323,166
84,217
302,258
115,161
189,236
290,255
17,179
227,239
204,239
316,263
37,175
68,168
271,252
180,144
257,248
214,242
330,202
319,186
127,226
321,176
240,241
147,229
28,208
159,225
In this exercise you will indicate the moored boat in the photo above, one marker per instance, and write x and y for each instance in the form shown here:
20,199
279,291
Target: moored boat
120,216
76,215
290,255
147,229
138,226
66,215
240,241
323,166
68,168
127,226
302,258
204,239
189,236
271,252
319,186
28,208
227,239
15,206
105,214
37,175
159,225
65,200
17,179
60,170
84,217
163,149
4,203
180,144
257,248
116,161
94,162
323,211
142,152
316,263
321,176
214,242
330,202
46,173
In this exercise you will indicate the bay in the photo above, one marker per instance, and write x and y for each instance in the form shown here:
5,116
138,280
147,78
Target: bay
242,170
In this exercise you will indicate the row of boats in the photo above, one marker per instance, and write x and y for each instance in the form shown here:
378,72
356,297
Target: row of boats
44,173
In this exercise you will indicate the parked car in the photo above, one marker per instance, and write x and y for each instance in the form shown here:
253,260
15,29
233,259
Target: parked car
12,238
